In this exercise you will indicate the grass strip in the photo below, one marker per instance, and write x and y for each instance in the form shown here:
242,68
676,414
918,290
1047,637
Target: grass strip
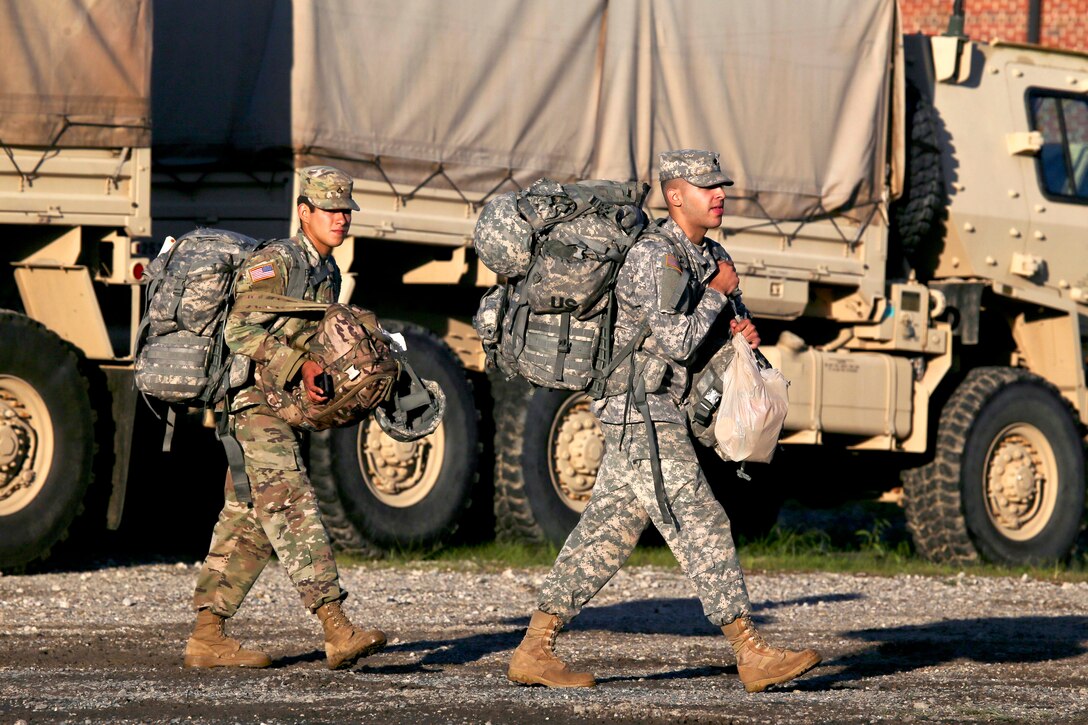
782,551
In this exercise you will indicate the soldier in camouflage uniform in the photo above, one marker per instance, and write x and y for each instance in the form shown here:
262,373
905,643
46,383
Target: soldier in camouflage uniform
283,517
677,282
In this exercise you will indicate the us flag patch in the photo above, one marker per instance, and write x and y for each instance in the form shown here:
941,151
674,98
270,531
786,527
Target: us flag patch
265,271
673,262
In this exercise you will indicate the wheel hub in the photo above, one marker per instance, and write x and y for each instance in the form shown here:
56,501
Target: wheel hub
399,473
1018,483
578,451
17,447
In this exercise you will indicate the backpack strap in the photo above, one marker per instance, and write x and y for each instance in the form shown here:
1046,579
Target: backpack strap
562,346
297,285
541,225
268,302
611,192
235,459
639,395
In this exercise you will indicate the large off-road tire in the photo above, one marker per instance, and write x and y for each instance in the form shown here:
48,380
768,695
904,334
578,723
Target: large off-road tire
1007,482
918,214
375,491
47,440
548,447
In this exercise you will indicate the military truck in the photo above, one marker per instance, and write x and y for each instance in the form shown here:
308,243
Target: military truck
75,184
907,222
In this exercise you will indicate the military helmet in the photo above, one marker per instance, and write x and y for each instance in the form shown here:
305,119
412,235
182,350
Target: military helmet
415,410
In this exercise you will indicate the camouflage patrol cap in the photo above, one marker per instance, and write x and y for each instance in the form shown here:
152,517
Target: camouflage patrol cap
327,188
696,167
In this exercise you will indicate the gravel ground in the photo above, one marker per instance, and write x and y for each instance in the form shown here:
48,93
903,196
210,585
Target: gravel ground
105,644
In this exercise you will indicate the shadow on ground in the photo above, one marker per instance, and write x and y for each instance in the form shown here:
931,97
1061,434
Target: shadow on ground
671,617
988,640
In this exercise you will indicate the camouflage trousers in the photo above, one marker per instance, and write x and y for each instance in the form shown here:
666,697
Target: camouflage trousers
284,520
623,503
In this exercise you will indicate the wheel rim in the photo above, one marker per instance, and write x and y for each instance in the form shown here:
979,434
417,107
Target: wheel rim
26,448
1021,482
577,447
399,474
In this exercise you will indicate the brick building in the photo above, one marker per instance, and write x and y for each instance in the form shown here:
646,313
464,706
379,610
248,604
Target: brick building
1053,23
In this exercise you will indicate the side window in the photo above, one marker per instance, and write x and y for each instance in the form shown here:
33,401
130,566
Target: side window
1062,163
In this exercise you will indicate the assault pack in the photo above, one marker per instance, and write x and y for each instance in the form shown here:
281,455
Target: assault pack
559,246
365,369
350,346
181,357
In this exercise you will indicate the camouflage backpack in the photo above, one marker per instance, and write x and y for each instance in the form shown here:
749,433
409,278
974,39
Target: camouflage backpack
560,247
350,345
367,372
181,356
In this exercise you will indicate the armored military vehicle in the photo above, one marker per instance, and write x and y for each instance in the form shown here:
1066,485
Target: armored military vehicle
908,221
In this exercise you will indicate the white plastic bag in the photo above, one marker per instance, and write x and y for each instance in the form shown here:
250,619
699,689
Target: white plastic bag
753,408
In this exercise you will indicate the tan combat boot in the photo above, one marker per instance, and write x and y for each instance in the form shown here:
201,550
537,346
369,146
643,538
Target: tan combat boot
344,644
761,665
209,647
534,661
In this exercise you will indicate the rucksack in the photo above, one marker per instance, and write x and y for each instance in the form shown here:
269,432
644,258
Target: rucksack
350,345
181,357
560,247
368,369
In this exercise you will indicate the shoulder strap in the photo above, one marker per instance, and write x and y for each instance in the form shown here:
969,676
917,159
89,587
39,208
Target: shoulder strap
297,284
268,302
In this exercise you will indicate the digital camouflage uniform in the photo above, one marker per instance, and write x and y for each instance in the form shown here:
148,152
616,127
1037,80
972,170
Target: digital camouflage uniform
651,288
284,517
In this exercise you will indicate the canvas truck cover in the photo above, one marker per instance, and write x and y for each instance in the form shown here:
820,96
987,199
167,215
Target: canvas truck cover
797,96
76,73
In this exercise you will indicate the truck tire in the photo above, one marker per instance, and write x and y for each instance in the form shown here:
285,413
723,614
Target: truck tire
1007,483
548,447
918,213
47,440
375,491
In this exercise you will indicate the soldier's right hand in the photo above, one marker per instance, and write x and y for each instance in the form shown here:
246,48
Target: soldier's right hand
310,372
725,280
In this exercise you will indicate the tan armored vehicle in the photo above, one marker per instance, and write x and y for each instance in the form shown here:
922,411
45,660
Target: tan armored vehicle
909,223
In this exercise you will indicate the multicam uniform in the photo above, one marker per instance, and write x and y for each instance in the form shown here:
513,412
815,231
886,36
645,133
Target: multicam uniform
284,517
623,502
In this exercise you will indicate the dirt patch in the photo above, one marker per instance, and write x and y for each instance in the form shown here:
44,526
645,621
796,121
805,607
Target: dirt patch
104,645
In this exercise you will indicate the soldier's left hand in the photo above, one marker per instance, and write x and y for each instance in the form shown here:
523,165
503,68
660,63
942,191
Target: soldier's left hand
747,328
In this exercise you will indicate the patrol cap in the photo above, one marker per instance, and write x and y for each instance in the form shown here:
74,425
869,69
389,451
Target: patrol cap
327,188
696,167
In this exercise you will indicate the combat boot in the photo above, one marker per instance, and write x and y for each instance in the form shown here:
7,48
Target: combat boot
761,665
344,644
210,647
534,661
